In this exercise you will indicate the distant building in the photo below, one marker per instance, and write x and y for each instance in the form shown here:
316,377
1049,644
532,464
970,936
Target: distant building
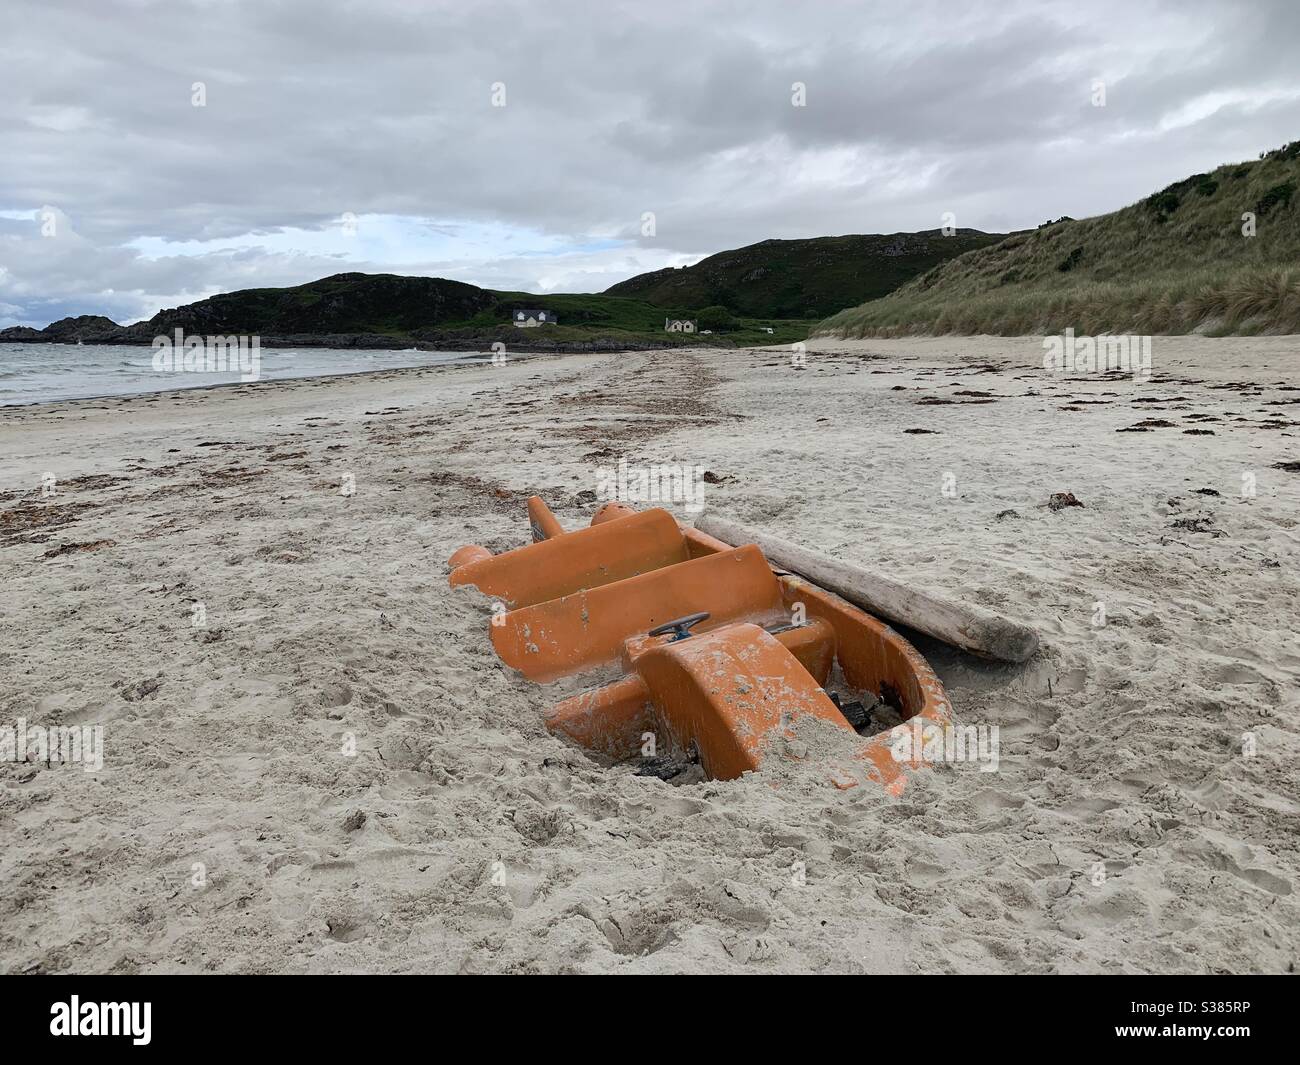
530,319
679,325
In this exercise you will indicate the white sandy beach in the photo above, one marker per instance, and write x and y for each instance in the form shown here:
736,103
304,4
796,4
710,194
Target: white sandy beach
228,830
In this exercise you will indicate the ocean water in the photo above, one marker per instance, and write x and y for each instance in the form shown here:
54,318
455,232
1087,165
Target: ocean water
38,373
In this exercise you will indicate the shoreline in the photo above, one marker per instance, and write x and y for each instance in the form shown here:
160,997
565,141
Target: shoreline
598,344
480,359
458,364
1029,348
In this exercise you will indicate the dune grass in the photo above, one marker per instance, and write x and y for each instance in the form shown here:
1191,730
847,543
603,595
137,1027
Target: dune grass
1176,262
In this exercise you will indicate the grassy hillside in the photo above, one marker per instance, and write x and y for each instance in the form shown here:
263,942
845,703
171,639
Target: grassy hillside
614,317
1175,262
800,278
378,310
343,303
782,285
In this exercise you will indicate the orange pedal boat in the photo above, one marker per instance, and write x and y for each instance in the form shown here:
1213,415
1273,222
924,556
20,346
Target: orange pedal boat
718,654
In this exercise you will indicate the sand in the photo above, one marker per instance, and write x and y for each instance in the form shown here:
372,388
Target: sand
331,772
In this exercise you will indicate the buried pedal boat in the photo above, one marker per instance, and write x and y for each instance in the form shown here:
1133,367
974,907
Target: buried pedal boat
718,652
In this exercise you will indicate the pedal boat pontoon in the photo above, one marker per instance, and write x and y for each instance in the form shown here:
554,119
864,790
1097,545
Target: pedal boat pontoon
719,654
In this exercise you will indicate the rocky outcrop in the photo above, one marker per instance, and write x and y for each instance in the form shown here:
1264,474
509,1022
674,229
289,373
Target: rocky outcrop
88,328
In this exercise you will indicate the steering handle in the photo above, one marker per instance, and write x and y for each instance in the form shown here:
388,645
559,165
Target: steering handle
679,627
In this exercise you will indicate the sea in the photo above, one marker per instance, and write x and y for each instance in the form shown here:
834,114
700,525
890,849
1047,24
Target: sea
40,373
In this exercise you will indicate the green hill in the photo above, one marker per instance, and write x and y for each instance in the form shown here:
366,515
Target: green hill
768,293
386,310
343,303
800,278
1176,262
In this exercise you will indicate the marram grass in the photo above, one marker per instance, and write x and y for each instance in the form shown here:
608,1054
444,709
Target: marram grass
1179,261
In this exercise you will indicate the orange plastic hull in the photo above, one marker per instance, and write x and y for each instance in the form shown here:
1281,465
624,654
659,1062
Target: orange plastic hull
585,601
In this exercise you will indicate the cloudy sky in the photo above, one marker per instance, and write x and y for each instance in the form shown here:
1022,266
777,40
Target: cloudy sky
365,134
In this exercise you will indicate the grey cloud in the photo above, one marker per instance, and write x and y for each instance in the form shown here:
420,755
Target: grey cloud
678,108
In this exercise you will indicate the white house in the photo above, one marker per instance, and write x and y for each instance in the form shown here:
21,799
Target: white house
530,319
679,325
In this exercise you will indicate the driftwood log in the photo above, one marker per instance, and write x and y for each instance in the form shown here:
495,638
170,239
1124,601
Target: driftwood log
972,628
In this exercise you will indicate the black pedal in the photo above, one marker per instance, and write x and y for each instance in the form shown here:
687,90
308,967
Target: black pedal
663,768
854,713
